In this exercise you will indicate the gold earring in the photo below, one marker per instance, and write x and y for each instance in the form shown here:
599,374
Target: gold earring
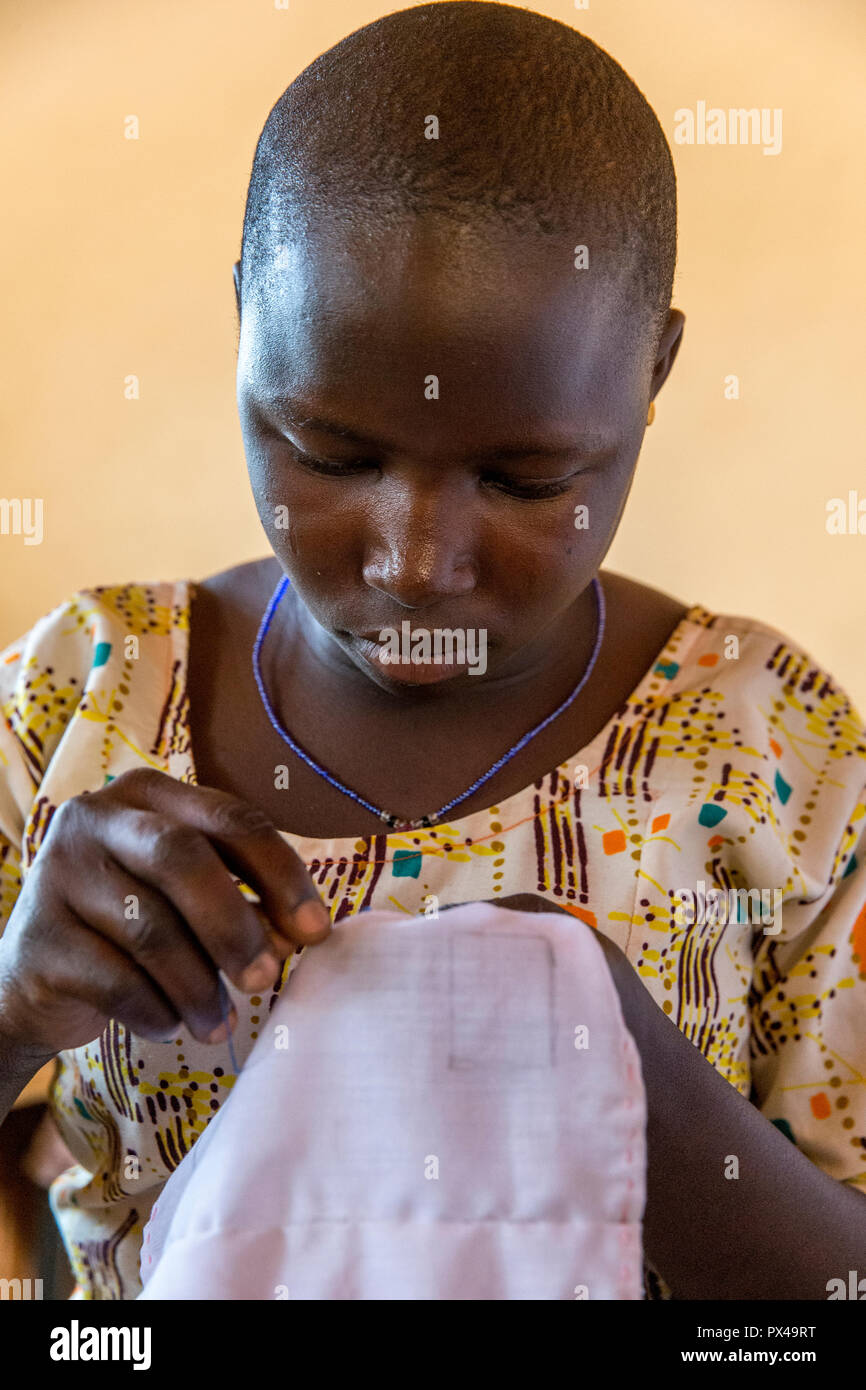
651,413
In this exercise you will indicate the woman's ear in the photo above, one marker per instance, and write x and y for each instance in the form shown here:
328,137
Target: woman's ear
669,346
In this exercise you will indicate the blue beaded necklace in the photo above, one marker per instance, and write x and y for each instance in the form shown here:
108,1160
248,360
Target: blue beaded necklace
394,822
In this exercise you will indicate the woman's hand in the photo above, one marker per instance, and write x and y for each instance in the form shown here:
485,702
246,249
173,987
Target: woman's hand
129,911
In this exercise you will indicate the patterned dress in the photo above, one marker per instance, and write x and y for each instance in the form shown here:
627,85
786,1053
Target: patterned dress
736,764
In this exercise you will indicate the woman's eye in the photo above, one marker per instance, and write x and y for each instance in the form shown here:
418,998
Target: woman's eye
333,467
514,487
529,490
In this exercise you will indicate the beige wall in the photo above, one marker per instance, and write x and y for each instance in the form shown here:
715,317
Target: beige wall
117,259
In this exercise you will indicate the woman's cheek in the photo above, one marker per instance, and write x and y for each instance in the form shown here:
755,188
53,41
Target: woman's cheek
596,507
551,549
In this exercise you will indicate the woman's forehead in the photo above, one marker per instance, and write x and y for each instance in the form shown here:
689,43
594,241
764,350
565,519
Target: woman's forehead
440,286
429,384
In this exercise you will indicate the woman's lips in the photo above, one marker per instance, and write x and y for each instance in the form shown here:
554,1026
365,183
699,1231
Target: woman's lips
407,673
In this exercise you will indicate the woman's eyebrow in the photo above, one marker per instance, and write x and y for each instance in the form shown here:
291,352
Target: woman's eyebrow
291,413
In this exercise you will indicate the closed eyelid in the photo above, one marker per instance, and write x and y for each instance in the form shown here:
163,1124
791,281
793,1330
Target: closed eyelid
519,489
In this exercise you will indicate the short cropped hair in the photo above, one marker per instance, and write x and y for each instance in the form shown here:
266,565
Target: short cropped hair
538,129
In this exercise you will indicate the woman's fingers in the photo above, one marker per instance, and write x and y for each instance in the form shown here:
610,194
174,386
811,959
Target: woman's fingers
58,987
181,957
183,880
244,839
142,869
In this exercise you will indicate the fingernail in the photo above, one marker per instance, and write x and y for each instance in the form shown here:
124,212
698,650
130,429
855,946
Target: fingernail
221,1033
261,973
313,917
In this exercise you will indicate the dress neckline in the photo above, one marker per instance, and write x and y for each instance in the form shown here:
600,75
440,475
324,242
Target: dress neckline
469,829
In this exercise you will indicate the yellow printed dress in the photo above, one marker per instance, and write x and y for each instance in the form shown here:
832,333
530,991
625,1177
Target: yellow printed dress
736,763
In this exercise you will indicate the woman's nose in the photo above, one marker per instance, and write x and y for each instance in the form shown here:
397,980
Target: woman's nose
421,550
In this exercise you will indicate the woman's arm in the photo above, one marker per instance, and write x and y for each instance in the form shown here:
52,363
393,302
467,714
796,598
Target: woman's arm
781,1229
18,1065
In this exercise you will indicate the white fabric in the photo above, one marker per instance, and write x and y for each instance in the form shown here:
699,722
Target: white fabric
438,1127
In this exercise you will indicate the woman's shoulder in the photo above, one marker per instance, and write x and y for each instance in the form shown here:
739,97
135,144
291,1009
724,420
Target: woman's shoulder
120,637
732,657
733,701
747,658
706,645
138,607
81,629
644,605
767,725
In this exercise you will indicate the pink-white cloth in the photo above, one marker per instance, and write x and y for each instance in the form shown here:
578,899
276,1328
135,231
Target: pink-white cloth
436,1108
